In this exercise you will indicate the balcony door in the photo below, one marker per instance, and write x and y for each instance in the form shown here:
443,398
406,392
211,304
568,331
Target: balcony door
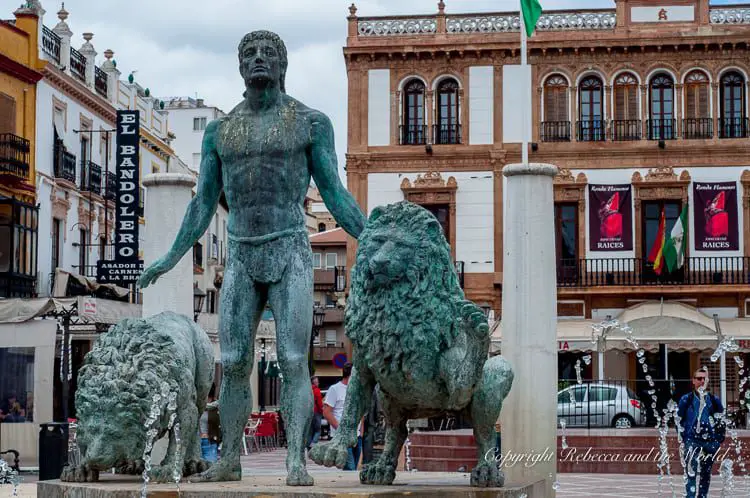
661,122
733,123
591,110
7,114
442,213
413,131
651,219
566,240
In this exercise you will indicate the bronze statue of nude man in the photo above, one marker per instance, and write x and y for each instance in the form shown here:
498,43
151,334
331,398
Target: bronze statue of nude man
262,156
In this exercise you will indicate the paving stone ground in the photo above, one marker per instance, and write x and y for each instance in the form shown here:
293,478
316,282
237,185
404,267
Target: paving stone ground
571,485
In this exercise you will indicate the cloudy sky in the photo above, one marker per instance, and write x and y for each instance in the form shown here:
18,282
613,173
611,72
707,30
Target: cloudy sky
189,47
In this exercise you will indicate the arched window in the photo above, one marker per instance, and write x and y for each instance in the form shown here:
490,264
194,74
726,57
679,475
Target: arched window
321,227
447,127
591,125
413,130
556,124
661,114
733,121
697,122
626,123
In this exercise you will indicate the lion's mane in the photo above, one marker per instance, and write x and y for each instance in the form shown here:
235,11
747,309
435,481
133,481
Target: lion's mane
406,325
127,365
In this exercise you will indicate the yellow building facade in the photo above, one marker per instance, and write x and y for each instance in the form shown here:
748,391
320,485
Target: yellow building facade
20,69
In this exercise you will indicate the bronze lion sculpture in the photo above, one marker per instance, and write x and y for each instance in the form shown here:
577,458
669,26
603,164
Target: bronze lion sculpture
126,378
419,340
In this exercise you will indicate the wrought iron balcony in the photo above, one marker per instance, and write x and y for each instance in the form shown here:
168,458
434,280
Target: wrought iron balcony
65,163
593,130
14,156
661,129
413,134
77,64
733,128
726,270
446,133
100,81
91,177
460,272
555,131
333,279
110,184
51,44
626,130
697,128
326,353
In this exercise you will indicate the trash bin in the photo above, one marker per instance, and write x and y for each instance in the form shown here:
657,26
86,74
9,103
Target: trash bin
53,450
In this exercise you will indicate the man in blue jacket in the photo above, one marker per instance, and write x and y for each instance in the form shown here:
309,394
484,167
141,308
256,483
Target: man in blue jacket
703,431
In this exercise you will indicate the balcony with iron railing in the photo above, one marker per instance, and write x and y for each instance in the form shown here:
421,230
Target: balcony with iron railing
555,131
91,177
413,134
64,163
110,184
326,352
697,128
733,127
100,82
333,279
14,156
51,44
626,130
77,64
661,129
593,130
446,133
724,270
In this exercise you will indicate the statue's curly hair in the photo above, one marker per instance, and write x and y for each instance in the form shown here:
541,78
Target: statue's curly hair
278,43
127,365
405,325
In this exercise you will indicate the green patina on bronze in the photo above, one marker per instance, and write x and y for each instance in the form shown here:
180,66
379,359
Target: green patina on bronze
128,365
262,156
419,339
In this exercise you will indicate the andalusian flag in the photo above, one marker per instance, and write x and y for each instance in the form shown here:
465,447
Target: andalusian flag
656,255
531,10
674,247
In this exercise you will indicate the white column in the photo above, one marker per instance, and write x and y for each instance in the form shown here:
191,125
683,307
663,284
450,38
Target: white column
529,415
167,197
600,366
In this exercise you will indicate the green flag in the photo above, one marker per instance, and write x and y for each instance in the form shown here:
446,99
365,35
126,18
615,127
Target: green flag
674,247
531,11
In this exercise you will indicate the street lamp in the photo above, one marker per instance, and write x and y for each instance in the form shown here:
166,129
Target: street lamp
198,297
318,319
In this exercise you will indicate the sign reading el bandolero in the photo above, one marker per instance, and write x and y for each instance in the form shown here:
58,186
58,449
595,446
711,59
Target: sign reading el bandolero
126,266
716,220
610,218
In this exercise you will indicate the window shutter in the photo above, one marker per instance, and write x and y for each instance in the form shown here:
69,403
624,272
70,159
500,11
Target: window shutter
632,102
7,114
703,102
621,110
556,104
691,96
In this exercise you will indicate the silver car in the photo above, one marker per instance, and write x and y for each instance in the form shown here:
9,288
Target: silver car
600,405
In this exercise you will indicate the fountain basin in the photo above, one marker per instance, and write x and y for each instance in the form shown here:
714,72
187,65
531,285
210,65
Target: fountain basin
328,484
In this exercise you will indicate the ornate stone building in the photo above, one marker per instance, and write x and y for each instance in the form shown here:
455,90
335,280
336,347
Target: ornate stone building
642,107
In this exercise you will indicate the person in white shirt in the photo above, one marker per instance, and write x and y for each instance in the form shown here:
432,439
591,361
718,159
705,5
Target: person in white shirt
333,409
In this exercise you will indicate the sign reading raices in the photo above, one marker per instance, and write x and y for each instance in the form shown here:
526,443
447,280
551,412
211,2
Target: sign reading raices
610,218
716,217
126,267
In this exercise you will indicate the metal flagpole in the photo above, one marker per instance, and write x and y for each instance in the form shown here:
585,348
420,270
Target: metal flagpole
527,90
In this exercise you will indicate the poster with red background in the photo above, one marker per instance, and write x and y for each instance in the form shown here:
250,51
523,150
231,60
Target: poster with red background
715,216
610,218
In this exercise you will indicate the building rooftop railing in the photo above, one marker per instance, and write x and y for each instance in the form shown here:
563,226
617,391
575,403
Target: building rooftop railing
508,22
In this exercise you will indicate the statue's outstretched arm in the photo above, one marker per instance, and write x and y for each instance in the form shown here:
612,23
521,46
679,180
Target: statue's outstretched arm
324,170
199,212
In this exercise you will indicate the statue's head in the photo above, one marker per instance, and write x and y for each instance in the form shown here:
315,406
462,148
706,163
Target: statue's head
263,59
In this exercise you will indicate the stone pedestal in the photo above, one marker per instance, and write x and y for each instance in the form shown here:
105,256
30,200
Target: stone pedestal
327,485
529,415
167,198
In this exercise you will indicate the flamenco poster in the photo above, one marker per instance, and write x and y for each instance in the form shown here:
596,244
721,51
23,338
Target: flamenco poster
716,220
610,218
